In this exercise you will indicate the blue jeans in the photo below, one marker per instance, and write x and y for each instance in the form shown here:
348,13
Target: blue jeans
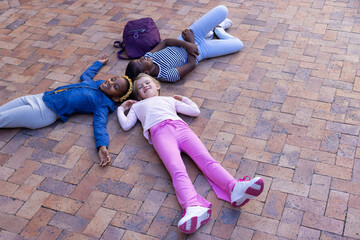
214,47
28,112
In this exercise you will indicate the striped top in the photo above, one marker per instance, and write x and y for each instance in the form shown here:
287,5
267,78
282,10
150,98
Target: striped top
168,59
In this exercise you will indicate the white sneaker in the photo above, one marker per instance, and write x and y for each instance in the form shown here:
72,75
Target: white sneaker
193,218
221,34
226,23
246,189
210,35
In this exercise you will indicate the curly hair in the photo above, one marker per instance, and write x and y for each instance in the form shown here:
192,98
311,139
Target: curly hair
132,71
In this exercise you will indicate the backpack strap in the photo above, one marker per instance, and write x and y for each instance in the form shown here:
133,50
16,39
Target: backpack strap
120,45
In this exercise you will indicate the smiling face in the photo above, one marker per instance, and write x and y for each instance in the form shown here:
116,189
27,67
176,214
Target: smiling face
143,64
114,87
146,87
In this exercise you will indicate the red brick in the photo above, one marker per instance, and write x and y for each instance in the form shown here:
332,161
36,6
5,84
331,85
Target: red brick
49,232
37,223
99,223
323,223
17,160
122,204
152,204
290,187
246,234
354,201
23,172
162,222
33,204
308,233
12,223
274,205
305,204
62,204
131,222
66,143
92,204
337,205
275,171
84,188
333,171
303,142
259,223
290,223
304,171
352,224
276,142
320,187
7,189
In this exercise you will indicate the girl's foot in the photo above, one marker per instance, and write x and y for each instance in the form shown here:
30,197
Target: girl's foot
193,218
224,25
221,34
246,189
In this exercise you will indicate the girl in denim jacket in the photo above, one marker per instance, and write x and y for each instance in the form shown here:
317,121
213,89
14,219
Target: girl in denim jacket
88,96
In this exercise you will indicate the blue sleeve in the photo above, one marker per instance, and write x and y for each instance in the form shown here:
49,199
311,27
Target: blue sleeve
90,73
100,122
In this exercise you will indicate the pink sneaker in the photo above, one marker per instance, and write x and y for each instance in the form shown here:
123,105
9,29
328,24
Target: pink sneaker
193,218
246,189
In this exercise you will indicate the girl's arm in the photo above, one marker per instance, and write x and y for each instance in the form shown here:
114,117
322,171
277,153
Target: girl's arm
185,106
126,122
191,48
90,73
101,135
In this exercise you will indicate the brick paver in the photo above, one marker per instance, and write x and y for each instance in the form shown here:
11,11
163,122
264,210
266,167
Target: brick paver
286,108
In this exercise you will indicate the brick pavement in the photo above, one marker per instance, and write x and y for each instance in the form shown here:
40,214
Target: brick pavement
287,108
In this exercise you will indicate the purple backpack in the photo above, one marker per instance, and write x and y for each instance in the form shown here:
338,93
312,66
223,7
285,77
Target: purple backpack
139,37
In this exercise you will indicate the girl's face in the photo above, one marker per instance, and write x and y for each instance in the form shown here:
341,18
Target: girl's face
146,88
144,64
114,87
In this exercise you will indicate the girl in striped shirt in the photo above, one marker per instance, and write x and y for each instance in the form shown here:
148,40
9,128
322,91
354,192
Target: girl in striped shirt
172,59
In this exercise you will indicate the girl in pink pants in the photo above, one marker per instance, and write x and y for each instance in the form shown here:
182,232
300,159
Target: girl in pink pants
170,136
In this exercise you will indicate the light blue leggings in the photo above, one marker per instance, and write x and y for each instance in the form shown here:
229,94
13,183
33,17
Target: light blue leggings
28,112
214,47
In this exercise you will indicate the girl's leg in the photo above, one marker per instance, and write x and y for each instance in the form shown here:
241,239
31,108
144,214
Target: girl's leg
28,111
220,179
163,137
207,22
219,47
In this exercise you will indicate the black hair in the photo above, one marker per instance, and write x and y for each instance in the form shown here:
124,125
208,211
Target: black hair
132,71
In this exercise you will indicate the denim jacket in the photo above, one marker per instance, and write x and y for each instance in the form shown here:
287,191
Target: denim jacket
83,97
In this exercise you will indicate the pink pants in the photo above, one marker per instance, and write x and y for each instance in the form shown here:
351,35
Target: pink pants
169,139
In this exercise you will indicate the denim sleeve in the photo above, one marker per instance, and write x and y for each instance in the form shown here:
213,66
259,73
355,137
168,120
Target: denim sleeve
100,122
90,73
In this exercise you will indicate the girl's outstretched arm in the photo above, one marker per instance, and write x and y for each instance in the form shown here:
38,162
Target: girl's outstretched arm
126,121
90,73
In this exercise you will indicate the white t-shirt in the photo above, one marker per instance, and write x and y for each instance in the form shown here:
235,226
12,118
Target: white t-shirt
154,110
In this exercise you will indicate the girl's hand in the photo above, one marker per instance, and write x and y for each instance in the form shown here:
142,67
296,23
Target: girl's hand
188,35
127,104
104,59
178,97
104,156
192,49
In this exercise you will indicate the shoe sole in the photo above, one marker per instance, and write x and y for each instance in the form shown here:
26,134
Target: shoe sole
251,192
195,223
